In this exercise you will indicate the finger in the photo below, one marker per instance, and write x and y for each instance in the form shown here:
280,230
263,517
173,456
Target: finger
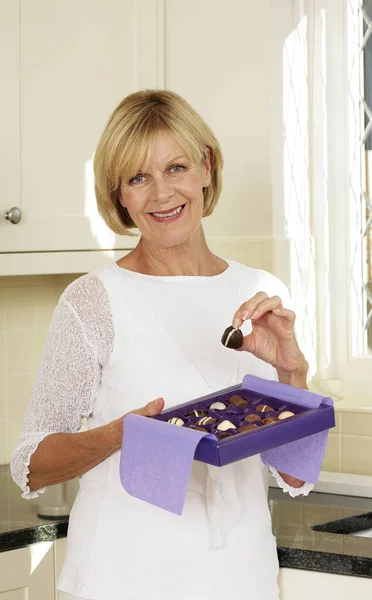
247,308
266,306
285,313
151,409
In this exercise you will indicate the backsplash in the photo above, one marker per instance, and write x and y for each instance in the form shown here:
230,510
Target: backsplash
26,307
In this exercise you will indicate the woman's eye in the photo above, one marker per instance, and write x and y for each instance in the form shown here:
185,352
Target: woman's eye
177,169
137,179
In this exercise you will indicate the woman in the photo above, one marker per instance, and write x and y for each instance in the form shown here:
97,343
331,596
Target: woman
143,332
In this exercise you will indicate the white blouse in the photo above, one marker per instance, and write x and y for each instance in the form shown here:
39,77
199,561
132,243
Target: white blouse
117,340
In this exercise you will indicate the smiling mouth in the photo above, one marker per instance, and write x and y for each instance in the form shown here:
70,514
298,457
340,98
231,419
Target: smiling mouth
168,214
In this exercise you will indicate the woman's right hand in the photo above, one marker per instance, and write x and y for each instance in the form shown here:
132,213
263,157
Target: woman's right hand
151,409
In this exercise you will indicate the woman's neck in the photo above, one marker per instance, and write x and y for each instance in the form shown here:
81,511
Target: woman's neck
194,259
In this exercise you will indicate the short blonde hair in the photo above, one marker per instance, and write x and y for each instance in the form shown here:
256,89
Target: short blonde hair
126,144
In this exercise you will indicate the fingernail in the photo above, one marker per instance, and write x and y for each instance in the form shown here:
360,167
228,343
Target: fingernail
255,314
236,323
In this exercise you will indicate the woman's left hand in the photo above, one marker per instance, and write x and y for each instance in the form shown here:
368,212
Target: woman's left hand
272,338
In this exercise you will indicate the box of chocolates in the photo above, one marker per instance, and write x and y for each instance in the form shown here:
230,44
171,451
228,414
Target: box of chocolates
250,418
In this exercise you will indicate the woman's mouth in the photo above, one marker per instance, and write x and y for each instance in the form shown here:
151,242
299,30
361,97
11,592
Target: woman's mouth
168,216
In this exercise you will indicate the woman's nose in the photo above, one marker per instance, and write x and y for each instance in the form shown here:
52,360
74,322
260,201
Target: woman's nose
162,189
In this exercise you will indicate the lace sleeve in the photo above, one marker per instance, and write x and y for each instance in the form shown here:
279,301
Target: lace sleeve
304,490
64,389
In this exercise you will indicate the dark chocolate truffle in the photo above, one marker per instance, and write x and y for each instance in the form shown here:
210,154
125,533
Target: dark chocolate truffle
269,420
198,428
206,421
244,428
264,408
237,401
252,418
232,338
197,412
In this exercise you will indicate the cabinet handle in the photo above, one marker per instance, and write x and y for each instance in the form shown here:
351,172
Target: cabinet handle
13,215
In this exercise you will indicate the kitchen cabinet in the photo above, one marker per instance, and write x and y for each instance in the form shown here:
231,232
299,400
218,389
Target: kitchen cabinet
60,547
64,66
297,584
28,573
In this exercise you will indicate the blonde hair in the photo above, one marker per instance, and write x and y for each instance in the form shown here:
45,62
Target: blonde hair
126,144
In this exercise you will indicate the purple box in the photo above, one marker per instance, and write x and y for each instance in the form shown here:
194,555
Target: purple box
312,414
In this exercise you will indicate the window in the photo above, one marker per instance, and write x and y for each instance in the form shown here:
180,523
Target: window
341,174
322,192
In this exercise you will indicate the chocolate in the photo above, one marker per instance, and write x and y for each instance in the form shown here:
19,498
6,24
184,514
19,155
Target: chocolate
237,401
197,412
217,406
244,428
198,428
176,421
286,414
252,418
223,434
224,425
232,338
206,421
264,408
269,420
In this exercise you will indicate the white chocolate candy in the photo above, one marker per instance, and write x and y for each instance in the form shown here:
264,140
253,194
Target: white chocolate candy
225,425
286,414
217,406
176,421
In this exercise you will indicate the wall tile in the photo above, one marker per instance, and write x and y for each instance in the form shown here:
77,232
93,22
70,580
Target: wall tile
18,308
357,454
332,458
19,388
45,303
267,250
14,429
354,423
3,406
338,418
3,442
22,350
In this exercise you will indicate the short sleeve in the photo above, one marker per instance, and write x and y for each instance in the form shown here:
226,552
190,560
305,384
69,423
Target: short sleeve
64,389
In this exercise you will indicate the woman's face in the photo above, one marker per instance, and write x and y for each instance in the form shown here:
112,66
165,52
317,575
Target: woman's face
165,200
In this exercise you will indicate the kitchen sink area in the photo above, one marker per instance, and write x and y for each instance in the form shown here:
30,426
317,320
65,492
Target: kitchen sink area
358,525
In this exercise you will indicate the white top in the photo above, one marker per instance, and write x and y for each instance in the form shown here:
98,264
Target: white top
119,339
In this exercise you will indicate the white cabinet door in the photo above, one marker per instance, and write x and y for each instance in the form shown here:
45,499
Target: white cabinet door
60,547
296,584
78,59
217,57
28,573
9,109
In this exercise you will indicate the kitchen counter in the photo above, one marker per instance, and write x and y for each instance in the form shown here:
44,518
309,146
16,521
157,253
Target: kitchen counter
299,546
19,523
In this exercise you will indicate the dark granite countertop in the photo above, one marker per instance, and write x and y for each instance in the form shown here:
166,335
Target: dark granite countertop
299,545
19,523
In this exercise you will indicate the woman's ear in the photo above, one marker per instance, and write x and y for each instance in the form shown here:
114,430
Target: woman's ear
119,196
207,177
